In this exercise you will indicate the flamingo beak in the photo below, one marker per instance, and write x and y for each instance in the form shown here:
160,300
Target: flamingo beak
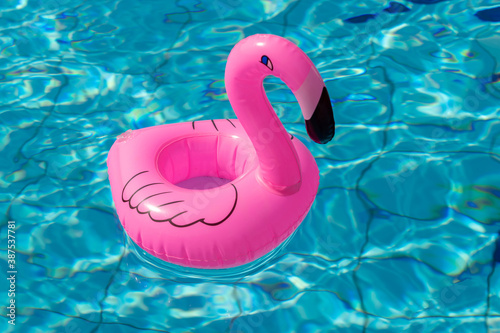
321,125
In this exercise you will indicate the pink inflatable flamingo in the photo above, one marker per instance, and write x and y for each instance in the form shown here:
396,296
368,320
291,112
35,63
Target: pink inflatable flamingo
271,179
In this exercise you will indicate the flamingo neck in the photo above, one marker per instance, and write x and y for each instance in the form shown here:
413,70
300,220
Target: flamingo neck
279,165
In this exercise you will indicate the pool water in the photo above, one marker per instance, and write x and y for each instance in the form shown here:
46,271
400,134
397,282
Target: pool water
403,235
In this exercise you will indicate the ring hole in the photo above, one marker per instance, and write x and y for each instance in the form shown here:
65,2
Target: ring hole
205,161
203,183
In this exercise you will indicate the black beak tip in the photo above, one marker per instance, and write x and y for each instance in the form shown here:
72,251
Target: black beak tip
328,138
321,126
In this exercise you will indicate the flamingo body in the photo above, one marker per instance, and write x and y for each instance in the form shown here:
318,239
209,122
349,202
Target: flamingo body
217,227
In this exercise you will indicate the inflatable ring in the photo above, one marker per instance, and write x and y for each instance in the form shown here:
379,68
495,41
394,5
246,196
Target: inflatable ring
263,181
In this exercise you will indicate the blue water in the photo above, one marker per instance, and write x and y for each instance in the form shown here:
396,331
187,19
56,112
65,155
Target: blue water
403,235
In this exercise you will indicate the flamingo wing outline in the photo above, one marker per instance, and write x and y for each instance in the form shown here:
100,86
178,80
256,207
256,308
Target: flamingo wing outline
171,218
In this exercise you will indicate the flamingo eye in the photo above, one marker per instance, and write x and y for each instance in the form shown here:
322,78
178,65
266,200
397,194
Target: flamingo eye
266,61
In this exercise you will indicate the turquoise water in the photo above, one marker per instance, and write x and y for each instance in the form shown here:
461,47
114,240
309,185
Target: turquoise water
403,233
